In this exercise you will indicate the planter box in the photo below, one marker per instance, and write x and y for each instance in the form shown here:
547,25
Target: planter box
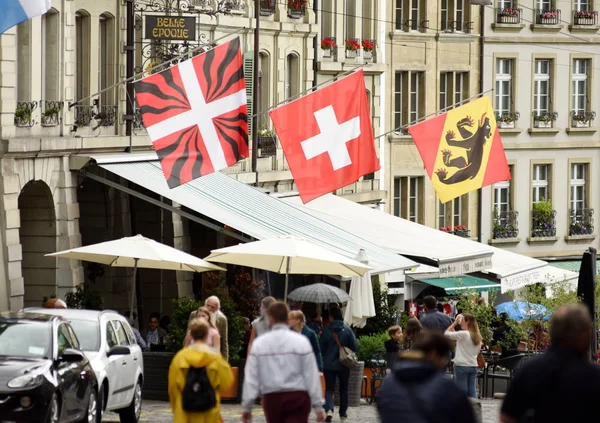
231,394
540,124
581,124
368,55
156,375
506,125
354,386
326,53
351,54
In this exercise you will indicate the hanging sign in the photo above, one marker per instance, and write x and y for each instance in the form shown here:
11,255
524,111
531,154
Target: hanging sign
413,310
171,28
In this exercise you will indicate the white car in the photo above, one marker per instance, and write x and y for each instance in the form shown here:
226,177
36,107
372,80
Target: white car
109,343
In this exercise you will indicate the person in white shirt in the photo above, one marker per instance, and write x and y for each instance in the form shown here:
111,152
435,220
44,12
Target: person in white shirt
468,346
282,369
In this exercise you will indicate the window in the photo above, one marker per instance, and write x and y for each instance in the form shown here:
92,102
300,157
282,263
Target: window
540,183
578,185
541,87
368,21
502,197
582,6
350,13
111,336
64,339
507,4
121,334
457,211
442,215
105,60
397,196
543,5
327,18
409,98
82,55
413,210
50,53
264,84
453,89
504,70
291,77
453,15
408,198
410,15
24,56
580,85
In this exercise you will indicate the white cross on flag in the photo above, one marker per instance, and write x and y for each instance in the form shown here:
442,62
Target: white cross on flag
196,114
327,137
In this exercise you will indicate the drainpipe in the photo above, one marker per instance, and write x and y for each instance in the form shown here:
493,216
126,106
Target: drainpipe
481,57
382,100
316,46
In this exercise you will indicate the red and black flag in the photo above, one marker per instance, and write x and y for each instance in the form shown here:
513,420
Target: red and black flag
196,114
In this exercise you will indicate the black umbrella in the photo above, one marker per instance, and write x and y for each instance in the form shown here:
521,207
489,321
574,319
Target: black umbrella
586,290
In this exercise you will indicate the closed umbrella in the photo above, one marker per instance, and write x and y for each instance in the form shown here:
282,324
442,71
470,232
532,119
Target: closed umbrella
289,255
138,252
362,304
521,310
319,293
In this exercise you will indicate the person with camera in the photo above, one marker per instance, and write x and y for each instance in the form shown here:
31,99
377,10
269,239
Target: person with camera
468,345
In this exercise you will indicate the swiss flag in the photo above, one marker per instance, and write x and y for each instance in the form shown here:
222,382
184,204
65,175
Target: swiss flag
327,137
196,114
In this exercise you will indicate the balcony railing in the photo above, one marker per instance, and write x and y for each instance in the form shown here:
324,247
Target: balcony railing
138,122
83,115
457,26
582,119
51,112
582,222
267,7
415,25
506,225
509,15
585,18
544,119
547,17
507,120
107,115
23,113
267,146
543,224
296,8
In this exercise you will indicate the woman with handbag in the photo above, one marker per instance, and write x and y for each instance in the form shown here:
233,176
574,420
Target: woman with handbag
338,345
468,346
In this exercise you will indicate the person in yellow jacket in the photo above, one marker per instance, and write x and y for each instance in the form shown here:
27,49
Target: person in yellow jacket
199,354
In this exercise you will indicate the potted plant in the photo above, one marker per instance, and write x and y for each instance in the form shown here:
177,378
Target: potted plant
507,120
50,116
296,8
23,115
327,45
461,230
583,17
545,119
549,15
543,219
583,119
352,47
267,142
267,7
368,47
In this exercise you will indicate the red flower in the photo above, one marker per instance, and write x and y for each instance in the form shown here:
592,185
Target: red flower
352,45
368,45
328,44
297,4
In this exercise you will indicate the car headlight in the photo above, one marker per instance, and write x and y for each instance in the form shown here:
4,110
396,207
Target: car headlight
33,378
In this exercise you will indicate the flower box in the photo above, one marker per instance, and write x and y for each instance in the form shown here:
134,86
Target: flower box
368,55
542,124
506,125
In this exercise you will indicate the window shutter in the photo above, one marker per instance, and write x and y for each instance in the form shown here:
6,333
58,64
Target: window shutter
249,77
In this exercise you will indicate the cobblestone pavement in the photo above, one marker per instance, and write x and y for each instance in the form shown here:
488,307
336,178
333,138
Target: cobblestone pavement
159,412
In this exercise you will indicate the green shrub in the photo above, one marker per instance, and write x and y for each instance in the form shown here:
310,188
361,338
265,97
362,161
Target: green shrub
370,344
182,308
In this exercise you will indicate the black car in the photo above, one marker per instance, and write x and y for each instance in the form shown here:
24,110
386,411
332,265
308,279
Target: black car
44,376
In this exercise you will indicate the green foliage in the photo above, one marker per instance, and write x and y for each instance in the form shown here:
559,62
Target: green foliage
543,209
386,314
182,308
369,344
86,297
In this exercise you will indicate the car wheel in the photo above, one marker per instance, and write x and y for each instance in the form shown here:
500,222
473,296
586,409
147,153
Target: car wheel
132,413
91,414
53,410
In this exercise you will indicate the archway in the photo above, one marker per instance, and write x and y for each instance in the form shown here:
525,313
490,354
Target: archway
37,235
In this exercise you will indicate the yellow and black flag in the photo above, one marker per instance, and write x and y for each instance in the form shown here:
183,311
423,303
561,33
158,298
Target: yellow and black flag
461,149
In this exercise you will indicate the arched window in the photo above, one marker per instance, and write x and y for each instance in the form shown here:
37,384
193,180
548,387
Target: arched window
23,67
292,76
50,56
106,59
265,86
82,55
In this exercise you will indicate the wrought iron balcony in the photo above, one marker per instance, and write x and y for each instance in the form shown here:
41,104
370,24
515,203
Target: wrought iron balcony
585,18
267,146
107,115
582,119
138,122
547,16
509,15
415,25
51,112
83,115
544,119
267,7
582,222
506,225
457,26
543,224
296,8
23,113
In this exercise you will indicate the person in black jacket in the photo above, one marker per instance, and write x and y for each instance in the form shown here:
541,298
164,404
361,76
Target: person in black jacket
418,391
392,345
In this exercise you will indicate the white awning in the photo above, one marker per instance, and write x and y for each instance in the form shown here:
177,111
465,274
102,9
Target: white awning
454,255
245,208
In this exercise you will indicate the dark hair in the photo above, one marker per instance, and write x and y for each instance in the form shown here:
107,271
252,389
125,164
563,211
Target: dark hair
267,301
279,311
412,332
430,302
337,314
503,317
393,330
440,308
569,323
432,342
325,315
155,315
128,313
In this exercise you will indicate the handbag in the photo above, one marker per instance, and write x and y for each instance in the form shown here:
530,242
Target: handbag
347,356
480,361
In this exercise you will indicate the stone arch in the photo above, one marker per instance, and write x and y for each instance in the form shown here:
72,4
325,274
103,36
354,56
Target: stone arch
37,236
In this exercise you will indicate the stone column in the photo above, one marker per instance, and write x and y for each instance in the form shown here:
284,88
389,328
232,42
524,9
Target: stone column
182,242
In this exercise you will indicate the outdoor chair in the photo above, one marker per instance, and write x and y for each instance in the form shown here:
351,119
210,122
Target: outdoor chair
492,371
378,365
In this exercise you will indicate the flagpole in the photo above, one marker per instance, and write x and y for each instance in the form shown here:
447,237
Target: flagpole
130,71
255,84
481,57
432,114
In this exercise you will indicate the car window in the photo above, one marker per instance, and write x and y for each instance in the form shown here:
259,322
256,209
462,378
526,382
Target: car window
88,334
64,339
111,336
74,338
130,334
121,335
25,339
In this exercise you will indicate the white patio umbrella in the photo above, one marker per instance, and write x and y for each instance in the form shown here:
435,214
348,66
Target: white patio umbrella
289,255
362,305
138,252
